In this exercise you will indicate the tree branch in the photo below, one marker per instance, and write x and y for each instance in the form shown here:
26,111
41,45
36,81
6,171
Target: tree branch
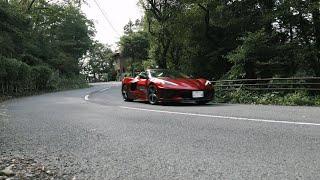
155,10
206,19
31,4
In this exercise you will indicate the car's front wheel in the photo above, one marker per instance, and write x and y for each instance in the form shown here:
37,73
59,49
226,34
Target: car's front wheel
153,95
125,93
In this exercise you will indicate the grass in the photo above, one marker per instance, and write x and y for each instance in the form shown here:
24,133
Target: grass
4,98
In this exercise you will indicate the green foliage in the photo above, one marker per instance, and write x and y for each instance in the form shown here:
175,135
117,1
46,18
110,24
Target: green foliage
317,101
235,39
38,38
255,49
98,64
40,76
134,47
57,83
298,98
51,34
18,78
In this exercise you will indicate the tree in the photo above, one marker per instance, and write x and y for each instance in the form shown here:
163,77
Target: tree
64,36
135,46
39,39
99,63
160,14
205,37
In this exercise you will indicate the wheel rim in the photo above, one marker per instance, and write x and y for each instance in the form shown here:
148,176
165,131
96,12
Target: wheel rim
153,99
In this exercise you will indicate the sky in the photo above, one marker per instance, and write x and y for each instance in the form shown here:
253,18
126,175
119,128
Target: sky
118,12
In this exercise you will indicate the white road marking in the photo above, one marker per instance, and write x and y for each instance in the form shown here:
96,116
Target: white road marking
1,114
105,89
86,98
221,117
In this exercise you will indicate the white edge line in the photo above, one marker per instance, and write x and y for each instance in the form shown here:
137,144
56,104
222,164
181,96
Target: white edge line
86,98
1,114
102,90
222,117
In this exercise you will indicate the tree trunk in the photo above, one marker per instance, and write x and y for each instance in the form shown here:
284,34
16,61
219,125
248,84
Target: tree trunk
163,58
132,67
206,20
250,70
291,32
316,24
176,56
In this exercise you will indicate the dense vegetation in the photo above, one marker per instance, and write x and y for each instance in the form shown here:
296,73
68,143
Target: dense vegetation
134,45
98,64
241,96
234,39
225,39
41,44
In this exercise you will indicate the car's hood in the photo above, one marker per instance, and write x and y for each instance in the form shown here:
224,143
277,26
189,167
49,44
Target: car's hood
184,83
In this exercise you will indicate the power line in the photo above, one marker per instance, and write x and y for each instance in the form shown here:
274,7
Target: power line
106,17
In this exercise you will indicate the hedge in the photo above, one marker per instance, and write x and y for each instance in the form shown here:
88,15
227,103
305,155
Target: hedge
18,78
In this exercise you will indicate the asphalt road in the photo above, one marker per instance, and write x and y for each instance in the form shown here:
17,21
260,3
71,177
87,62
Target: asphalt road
93,134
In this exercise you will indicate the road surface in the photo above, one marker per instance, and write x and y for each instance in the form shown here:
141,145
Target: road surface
93,134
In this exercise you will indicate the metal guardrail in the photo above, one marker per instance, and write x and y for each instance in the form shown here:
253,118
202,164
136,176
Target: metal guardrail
271,84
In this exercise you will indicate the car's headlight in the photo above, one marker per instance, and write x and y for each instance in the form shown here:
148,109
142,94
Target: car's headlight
208,83
168,83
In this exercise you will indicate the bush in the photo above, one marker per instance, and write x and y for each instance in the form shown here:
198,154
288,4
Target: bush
11,67
270,98
277,98
40,77
11,75
317,101
24,76
30,60
3,71
19,79
64,83
298,98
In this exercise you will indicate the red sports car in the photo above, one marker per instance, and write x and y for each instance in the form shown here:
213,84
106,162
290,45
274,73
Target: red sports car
162,85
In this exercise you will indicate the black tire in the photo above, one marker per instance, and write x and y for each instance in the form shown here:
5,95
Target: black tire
202,102
125,93
152,95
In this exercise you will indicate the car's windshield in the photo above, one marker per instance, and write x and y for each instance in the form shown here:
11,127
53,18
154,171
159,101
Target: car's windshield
158,73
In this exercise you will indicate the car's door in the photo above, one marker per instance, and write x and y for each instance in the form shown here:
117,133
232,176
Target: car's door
142,85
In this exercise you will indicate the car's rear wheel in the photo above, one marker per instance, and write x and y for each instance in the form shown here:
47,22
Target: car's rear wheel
153,95
125,93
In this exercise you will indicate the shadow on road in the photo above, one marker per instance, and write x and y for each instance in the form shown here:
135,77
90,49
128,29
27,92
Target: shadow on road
182,104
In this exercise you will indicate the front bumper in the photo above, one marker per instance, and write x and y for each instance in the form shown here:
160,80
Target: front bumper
173,95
